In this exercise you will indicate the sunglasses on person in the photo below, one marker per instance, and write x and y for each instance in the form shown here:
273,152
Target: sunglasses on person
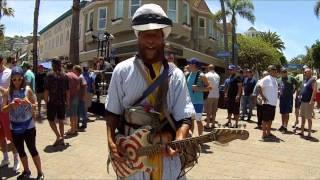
18,79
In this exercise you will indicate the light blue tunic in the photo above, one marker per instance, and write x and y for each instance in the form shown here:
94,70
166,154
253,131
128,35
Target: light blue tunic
127,85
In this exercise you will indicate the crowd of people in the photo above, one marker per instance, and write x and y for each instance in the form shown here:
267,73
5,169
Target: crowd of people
243,91
180,100
66,90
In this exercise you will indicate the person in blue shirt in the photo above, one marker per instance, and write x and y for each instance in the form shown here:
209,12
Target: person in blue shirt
197,84
249,83
232,95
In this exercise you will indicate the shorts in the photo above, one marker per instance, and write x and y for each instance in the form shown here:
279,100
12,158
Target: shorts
286,104
233,106
318,97
56,111
297,103
5,132
306,110
268,112
73,109
199,109
89,100
40,96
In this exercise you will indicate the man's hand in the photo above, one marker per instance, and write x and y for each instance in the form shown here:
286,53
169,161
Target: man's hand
115,153
195,88
170,151
237,98
311,102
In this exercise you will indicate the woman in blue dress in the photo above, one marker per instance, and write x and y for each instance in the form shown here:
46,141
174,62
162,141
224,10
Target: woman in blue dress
19,102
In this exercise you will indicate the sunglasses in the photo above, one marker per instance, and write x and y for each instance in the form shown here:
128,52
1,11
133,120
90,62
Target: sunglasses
19,80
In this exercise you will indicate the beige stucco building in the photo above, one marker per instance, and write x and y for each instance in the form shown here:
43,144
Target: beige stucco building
194,33
55,37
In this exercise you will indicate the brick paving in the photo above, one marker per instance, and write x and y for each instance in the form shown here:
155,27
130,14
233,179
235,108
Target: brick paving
84,156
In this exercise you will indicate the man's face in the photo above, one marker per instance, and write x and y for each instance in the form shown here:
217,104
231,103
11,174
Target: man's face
249,74
40,69
274,73
307,73
193,67
231,71
151,45
284,74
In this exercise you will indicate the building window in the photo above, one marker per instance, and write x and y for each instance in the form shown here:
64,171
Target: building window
61,39
202,27
102,21
67,36
57,41
118,9
133,6
172,10
210,28
186,13
90,21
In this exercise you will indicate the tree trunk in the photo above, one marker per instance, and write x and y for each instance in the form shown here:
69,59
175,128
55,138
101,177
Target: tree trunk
35,36
233,21
74,35
225,30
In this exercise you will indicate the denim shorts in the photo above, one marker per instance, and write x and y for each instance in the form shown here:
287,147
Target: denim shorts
73,109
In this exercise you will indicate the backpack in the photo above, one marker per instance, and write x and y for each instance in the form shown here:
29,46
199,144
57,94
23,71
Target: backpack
205,94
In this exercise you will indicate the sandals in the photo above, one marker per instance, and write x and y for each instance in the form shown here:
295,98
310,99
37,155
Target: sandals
71,133
58,142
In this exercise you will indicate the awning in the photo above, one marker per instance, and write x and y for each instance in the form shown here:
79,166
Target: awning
23,55
189,53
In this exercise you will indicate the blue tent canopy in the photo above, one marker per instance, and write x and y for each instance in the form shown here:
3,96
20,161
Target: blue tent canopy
47,65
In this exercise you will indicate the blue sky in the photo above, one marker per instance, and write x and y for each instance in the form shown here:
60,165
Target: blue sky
293,20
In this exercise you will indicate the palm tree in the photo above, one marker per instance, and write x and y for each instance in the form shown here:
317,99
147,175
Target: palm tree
243,8
317,9
4,11
74,35
274,39
35,36
225,33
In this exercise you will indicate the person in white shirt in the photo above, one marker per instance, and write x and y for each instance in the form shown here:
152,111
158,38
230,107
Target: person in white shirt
268,89
213,97
5,132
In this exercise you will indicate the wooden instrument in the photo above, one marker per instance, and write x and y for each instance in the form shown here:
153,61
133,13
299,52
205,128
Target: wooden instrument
136,148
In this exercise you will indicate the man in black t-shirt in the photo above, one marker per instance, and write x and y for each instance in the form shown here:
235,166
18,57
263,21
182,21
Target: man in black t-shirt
232,95
56,96
40,78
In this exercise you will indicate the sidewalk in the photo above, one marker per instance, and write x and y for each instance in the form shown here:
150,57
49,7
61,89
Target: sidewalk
85,156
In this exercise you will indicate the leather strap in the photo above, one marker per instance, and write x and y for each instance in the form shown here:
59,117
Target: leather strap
155,84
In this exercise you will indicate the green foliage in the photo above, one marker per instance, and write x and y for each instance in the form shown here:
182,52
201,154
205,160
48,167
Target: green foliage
273,38
315,54
256,53
283,60
300,59
317,9
4,11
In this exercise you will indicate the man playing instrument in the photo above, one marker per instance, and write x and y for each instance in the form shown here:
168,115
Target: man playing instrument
129,81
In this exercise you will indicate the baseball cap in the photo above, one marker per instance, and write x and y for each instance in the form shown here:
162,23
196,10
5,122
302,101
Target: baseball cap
17,70
151,17
231,67
272,67
194,61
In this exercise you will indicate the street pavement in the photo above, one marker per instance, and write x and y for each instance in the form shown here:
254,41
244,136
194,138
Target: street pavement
84,157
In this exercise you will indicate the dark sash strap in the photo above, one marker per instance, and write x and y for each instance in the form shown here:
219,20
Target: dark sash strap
154,85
